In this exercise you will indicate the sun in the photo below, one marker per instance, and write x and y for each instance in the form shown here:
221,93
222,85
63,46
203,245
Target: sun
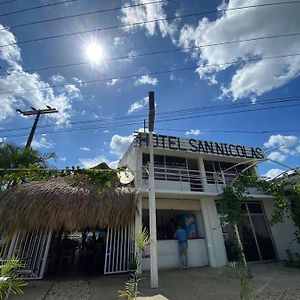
94,53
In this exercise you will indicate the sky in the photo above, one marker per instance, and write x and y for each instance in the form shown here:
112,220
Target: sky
205,60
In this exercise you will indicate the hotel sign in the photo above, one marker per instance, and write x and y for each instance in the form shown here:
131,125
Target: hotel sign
198,146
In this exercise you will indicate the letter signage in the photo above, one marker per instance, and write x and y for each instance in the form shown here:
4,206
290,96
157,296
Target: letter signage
198,146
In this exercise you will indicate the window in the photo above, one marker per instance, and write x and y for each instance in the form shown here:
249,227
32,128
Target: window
219,171
168,220
255,234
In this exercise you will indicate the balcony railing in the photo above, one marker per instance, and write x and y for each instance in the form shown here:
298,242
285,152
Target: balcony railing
191,180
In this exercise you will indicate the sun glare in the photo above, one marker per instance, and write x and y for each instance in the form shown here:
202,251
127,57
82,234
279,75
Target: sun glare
94,53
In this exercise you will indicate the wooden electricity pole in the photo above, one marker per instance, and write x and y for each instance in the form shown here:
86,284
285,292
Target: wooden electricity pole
37,113
152,204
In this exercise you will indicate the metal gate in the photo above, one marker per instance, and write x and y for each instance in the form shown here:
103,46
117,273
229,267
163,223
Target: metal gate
120,249
31,247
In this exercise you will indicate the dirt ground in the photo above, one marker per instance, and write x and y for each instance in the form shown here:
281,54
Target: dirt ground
271,280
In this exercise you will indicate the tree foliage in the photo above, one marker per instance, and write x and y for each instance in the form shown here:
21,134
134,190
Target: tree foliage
286,197
12,156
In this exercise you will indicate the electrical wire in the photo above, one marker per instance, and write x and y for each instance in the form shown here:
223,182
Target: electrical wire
113,125
91,81
233,131
85,14
103,29
181,112
37,7
142,4
134,56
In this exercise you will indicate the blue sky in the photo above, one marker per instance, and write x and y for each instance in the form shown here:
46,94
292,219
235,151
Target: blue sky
109,105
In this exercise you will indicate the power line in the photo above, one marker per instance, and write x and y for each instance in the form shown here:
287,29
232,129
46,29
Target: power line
142,4
84,14
148,74
130,56
36,7
158,121
106,28
164,114
235,131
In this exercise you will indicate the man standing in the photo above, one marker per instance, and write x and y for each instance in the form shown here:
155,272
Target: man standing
181,237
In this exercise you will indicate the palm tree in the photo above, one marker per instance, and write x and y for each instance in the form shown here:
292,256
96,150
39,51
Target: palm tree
12,156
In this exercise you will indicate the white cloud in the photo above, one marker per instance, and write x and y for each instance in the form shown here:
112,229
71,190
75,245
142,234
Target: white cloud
284,142
57,79
273,173
146,79
119,41
112,82
193,132
85,149
146,13
92,162
27,88
63,158
138,105
119,144
42,142
11,54
251,78
113,164
277,156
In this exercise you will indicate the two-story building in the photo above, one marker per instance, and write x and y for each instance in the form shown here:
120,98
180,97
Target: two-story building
189,176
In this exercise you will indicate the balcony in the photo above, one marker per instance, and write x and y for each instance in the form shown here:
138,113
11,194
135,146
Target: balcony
186,180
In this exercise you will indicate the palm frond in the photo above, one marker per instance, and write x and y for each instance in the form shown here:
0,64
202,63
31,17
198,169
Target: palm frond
142,239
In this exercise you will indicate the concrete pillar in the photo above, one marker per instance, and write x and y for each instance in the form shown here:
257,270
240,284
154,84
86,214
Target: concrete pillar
202,169
213,234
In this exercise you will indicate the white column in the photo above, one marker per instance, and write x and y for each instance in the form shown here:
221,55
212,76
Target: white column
213,234
152,219
202,169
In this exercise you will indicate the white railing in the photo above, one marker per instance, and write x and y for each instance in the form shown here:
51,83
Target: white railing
193,180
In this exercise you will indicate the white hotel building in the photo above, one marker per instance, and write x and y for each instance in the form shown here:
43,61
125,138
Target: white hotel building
189,175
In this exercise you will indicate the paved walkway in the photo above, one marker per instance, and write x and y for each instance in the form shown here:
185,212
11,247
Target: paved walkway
272,281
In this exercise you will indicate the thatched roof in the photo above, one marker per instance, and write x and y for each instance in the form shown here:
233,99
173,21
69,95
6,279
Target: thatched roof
58,203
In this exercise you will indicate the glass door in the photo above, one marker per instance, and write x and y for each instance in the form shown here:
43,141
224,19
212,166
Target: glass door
255,235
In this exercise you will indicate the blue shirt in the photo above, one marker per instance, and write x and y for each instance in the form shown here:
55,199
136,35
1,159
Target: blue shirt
181,236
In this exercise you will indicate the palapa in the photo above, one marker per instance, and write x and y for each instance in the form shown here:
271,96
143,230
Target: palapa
58,204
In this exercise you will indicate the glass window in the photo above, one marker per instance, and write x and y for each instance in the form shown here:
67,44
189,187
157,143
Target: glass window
175,162
255,208
168,220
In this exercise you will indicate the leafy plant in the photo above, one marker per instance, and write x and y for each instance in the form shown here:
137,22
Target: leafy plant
10,282
293,259
131,285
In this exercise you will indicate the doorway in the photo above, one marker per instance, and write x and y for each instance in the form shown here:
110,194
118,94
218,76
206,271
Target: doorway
77,253
255,235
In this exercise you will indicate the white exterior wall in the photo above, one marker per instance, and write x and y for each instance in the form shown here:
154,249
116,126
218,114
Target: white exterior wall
168,256
283,232
213,233
177,195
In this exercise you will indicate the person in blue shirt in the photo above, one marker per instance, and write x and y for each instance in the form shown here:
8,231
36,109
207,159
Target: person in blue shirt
181,237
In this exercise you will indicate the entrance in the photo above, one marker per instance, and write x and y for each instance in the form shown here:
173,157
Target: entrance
255,235
101,251
77,253
98,252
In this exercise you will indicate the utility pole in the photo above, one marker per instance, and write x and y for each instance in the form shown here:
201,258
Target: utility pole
37,113
152,204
